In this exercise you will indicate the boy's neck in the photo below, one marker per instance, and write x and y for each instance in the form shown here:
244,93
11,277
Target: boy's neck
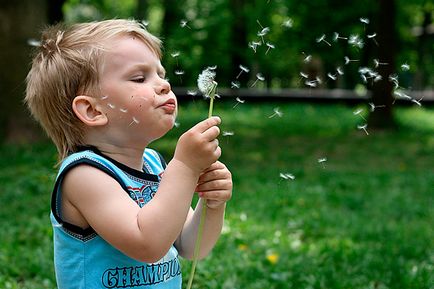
131,157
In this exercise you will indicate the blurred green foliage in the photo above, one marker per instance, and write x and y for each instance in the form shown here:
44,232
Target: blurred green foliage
207,33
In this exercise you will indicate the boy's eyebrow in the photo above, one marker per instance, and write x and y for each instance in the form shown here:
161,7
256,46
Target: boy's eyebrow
145,66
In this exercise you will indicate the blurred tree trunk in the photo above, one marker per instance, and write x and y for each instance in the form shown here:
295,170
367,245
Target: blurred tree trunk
19,22
382,93
238,40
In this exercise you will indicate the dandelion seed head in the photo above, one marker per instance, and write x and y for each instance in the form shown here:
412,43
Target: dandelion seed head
206,82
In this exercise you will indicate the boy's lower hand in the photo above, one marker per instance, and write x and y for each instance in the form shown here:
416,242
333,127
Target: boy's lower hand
198,148
215,185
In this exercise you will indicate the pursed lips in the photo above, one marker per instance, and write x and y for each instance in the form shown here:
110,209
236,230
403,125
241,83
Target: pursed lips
169,105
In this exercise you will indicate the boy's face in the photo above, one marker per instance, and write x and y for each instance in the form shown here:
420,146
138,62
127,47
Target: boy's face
136,97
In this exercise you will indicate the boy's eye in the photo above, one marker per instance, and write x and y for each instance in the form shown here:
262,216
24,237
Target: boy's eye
140,79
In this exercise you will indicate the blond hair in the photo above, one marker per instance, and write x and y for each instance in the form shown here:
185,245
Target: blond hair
67,64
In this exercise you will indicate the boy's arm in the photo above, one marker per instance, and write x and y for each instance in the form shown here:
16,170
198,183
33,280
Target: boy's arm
215,188
147,233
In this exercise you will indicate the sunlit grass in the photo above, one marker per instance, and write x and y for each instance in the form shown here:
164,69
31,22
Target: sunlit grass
362,219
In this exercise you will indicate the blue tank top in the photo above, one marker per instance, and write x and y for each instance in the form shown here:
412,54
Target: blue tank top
82,259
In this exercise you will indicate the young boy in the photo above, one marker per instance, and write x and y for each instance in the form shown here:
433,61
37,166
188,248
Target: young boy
120,216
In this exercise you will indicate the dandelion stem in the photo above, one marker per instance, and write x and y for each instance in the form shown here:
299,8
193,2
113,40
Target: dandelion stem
196,251
197,245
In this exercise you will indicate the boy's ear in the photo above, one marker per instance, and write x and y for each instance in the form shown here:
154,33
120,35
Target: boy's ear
88,110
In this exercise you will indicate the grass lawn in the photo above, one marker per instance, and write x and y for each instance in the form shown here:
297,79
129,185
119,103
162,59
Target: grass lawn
364,218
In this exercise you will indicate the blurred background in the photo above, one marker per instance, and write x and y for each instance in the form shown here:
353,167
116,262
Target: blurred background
358,48
328,129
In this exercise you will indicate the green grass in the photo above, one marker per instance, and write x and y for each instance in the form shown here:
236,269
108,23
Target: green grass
362,219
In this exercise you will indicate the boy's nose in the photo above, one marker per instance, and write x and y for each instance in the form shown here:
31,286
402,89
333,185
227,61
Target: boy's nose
163,87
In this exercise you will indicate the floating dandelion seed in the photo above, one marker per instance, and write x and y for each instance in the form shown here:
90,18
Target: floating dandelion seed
123,110
373,106
356,41
179,72
183,23
192,92
259,77
304,75
336,37
270,46
277,112
394,79
287,176
405,67
175,54
239,101
372,36
104,97
416,102
33,42
176,124
288,23
348,60
243,69
359,113
322,161
322,39
307,58
363,127
364,20
378,63
135,120
332,76
312,83
228,133
339,70
235,84
112,106
254,45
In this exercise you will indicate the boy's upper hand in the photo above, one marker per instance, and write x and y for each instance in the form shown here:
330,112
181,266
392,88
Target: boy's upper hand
198,148
215,185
